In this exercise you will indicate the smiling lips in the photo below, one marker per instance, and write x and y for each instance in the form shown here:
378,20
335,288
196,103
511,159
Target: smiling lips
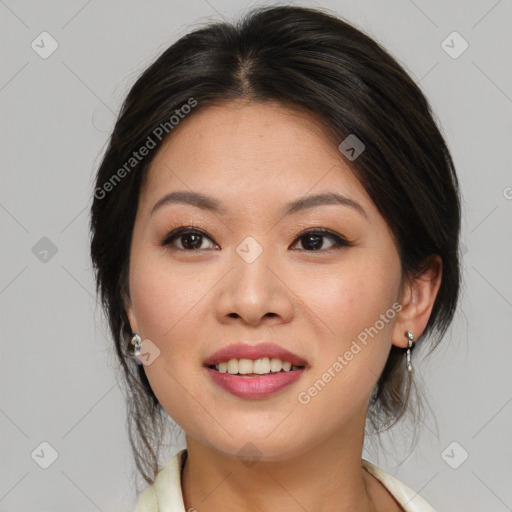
254,371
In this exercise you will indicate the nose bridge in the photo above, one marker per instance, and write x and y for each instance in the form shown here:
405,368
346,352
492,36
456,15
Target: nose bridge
251,261
253,289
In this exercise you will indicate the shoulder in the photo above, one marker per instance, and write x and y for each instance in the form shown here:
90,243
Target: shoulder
165,495
410,500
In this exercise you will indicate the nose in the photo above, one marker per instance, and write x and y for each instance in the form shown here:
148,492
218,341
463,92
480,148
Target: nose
255,292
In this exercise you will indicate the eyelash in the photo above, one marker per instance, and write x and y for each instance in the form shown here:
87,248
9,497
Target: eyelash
339,241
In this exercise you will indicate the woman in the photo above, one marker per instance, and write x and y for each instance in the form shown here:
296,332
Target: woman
275,227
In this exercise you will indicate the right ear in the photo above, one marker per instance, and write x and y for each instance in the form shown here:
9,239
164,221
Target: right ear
130,313
132,319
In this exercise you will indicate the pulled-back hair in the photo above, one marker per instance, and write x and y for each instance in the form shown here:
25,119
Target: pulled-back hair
306,59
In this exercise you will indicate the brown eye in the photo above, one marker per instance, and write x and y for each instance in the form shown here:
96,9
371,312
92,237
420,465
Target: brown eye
189,239
313,240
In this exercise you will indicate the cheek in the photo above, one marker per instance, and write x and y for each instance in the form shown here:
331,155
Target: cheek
164,302
164,296
348,300
354,319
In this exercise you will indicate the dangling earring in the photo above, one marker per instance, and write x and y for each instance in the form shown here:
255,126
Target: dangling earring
410,336
410,371
135,347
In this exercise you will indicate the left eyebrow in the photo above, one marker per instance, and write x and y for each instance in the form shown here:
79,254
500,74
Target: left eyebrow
327,198
298,205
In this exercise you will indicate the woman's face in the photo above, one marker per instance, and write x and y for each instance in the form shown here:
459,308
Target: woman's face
251,272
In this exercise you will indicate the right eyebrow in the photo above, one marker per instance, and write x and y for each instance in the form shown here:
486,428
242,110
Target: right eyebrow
191,198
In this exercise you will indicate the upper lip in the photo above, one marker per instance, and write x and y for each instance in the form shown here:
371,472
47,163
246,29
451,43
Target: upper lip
254,351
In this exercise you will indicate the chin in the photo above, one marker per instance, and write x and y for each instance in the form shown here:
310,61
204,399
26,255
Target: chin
250,448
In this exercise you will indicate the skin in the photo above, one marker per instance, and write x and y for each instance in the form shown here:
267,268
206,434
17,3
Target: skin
254,158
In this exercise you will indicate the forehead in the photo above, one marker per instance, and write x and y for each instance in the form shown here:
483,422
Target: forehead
251,151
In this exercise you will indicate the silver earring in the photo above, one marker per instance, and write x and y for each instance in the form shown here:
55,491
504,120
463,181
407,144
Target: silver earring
135,347
410,336
410,371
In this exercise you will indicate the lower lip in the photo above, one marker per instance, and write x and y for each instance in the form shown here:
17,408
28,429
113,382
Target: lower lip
255,387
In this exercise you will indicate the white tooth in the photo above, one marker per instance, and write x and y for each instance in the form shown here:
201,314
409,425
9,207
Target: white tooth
261,366
245,366
275,364
232,366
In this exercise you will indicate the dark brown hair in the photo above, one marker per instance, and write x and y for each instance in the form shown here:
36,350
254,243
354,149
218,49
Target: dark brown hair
311,60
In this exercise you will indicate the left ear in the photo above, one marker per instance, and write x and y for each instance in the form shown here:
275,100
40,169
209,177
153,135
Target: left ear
417,302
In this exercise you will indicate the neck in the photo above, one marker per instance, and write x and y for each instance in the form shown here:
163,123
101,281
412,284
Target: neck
327,477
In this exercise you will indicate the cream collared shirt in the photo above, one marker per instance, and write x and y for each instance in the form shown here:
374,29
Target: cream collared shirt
165,494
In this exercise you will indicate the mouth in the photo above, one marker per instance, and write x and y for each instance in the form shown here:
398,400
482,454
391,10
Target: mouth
258,358
255,368
255,371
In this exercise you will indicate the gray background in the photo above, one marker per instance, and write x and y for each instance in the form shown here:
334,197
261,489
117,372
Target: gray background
58,382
